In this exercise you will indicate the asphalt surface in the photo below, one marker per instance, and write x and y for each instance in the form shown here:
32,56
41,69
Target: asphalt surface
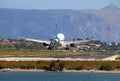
85,56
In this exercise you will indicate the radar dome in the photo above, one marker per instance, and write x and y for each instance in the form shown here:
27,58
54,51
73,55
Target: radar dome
61,36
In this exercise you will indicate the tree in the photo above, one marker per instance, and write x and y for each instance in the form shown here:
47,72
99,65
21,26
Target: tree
61,66
56,66
52,66
17,46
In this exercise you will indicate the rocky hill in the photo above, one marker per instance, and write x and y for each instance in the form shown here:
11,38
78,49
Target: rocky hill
102,24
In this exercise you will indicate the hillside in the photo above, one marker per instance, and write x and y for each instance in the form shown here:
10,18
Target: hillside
102,24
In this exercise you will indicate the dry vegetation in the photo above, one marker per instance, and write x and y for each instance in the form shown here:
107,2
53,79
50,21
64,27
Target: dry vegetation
69,65
118,58
13,52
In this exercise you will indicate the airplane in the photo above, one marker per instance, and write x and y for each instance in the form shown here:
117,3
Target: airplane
59,37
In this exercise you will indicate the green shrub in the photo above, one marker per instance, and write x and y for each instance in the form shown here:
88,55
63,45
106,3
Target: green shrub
107,67
79,68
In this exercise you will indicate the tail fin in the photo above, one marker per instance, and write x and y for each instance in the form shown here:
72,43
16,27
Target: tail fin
56,30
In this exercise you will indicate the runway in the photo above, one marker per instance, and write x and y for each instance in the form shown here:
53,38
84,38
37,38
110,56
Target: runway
63,57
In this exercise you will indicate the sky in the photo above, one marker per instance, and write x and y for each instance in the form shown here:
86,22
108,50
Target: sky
57,4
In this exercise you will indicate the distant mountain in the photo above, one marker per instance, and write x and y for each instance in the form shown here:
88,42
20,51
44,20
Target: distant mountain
102,24
111,7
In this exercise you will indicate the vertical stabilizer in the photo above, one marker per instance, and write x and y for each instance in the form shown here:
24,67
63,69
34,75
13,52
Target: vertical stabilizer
56,30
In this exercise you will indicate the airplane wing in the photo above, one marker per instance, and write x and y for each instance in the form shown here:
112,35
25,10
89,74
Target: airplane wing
48,41
36,40
75,42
